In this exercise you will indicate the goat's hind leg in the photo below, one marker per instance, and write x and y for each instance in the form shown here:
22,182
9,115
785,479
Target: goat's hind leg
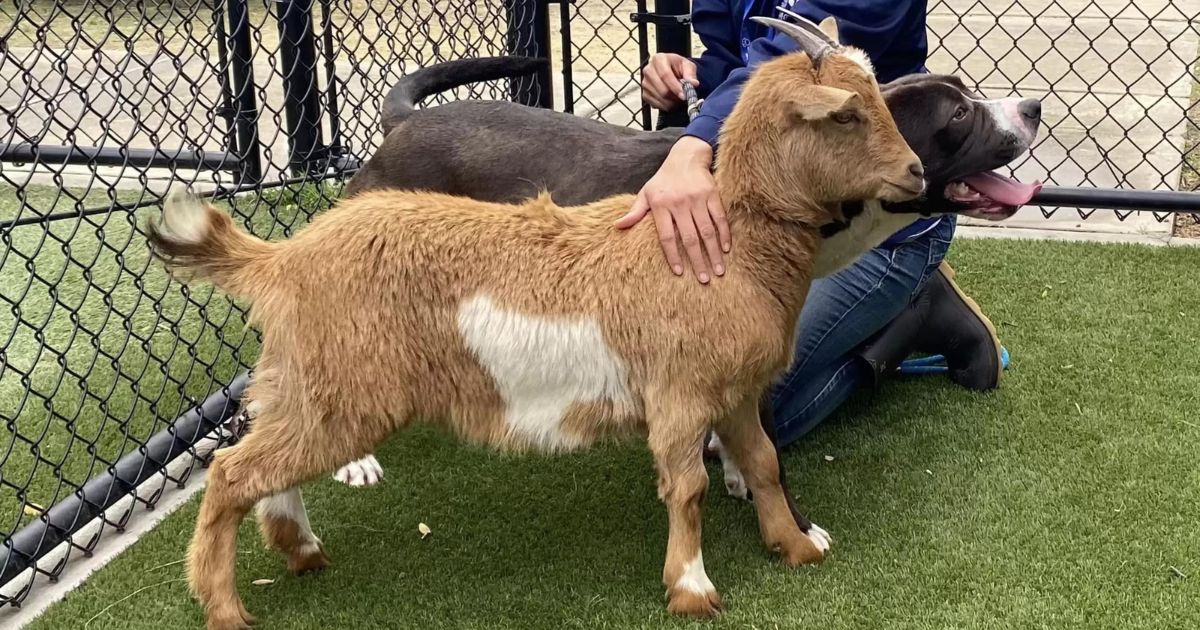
754,453
284,525
277,455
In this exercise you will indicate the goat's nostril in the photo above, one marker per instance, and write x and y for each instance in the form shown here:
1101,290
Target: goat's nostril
1031,108
917,170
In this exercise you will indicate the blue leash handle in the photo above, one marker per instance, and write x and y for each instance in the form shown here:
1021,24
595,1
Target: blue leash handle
693,102
936,364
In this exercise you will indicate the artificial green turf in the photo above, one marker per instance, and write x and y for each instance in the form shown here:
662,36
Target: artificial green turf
1060,501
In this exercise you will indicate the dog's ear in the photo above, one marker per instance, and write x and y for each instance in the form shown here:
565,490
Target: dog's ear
829,27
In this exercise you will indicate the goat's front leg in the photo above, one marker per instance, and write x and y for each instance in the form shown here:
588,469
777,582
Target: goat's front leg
676,442
744,440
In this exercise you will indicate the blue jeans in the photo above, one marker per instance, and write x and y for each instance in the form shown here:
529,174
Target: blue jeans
842,311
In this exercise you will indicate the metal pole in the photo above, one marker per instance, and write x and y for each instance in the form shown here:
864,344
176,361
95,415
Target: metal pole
568,79
529,36
643,30
106,156
335,148
1118,199
245,109
298,58
673,37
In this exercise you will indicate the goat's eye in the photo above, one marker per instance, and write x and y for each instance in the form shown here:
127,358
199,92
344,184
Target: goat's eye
960,113
844,118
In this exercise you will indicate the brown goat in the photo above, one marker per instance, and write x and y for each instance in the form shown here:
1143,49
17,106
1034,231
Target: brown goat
531,326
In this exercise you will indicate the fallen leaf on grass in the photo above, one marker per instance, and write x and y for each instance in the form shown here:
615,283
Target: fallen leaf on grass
33,509
424,529
1078,408
829,458
262,582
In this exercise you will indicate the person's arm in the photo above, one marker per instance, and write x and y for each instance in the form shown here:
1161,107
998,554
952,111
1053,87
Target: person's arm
720,101
682,195
876,26
712,21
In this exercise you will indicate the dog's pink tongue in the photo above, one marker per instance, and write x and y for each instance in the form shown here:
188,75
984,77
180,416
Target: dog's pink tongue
1001,189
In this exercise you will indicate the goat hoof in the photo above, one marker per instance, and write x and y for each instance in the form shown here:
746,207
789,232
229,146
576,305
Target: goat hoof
312,561
230,617
692,604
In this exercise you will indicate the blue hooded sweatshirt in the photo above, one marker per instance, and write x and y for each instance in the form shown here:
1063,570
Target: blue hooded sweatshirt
891,32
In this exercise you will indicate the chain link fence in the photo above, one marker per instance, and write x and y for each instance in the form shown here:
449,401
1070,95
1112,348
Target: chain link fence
1117,79
108,368
103,359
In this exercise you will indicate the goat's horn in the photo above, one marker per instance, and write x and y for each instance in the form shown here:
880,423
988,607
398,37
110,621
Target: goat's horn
809,26
816,49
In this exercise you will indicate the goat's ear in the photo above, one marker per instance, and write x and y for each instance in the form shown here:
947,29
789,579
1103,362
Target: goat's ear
829,27
818,102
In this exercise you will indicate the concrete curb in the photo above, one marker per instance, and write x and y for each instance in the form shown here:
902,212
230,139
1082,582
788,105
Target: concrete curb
967,231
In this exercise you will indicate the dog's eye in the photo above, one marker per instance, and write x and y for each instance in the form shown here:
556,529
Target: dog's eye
960,113
844,118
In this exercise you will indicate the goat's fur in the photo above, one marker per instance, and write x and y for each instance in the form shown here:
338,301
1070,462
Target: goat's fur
535,326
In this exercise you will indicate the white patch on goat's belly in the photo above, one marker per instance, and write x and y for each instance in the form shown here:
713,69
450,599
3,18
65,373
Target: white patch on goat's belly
542,366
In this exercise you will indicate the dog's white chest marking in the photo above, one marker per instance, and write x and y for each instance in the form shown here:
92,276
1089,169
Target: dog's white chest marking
866,232
542,365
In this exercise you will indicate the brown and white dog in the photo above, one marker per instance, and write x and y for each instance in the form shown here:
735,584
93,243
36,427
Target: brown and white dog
530,326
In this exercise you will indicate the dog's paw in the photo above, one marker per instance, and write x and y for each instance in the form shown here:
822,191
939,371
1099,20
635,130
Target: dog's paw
804,548
712,445
820,538
361,473
735,483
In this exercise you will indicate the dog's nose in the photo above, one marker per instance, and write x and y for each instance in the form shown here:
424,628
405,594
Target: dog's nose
1031,109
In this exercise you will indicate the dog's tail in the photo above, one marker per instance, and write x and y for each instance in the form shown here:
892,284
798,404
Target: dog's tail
412,88
198,238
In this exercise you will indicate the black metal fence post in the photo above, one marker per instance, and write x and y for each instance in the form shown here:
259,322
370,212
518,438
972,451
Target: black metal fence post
301,90
529,36
336,150
244,103
673,37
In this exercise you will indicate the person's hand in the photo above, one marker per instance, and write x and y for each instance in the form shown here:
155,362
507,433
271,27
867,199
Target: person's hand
660,80
682,197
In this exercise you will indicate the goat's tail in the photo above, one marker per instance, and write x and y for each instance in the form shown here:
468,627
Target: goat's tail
198,238
412,88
